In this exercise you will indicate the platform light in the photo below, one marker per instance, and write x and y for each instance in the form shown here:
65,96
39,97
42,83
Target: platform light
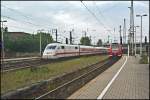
141,32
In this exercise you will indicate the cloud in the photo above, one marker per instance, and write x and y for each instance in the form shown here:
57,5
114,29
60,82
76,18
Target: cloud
66,15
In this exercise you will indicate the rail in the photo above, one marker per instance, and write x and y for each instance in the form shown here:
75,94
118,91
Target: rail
64,86
22,63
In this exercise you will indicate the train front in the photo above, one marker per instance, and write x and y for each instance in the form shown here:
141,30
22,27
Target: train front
115,50
50,52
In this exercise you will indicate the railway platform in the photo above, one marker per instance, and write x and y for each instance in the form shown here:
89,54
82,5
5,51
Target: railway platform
132,82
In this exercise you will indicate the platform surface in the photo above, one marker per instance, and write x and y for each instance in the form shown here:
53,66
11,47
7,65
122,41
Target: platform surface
131,83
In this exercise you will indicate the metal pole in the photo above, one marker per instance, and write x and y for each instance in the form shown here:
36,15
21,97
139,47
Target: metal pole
2,43
141,38
70,37
132,29
129,36
135,41
141,32
128,50
114,35
108,39
56,34
120,35
148,54
40,43
124,31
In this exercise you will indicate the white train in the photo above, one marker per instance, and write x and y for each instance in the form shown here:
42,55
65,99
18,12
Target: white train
58,50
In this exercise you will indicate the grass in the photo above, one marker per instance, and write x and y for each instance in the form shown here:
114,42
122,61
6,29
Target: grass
20,78
144,59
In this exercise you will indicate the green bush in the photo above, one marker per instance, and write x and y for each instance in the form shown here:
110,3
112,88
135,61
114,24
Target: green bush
144,59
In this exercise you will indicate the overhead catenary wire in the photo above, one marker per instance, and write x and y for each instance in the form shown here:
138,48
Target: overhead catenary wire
21,15
25,22
17,12
94,15
110,8
18,27
26,19
14,19
26,16
100,13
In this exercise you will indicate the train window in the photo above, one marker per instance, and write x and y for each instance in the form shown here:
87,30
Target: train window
76,47
62,47
51,47
114,46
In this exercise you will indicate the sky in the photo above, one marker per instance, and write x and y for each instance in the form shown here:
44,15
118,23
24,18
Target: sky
99,18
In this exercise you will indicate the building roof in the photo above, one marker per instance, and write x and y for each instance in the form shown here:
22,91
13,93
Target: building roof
16,35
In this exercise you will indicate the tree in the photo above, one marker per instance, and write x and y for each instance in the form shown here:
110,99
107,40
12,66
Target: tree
26,43
85,41
99,43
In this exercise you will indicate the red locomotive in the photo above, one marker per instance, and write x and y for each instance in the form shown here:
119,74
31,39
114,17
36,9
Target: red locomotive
115,50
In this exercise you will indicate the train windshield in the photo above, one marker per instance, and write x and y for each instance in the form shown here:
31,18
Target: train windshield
115,46
51,47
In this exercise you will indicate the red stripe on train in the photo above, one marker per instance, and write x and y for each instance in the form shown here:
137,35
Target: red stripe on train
74,53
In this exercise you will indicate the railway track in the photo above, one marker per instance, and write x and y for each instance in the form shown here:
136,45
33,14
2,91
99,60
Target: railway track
16,64
11,65
65,85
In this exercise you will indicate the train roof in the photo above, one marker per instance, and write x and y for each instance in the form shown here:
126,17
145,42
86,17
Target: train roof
61,44
83,46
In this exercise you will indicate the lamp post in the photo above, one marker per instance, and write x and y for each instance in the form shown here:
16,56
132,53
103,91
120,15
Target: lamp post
93,37
109,31
141,32
135,38
2,42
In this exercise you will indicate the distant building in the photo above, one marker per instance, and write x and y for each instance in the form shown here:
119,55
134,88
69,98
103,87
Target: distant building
16,35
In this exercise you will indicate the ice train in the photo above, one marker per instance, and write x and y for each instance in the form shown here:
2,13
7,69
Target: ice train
58,50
